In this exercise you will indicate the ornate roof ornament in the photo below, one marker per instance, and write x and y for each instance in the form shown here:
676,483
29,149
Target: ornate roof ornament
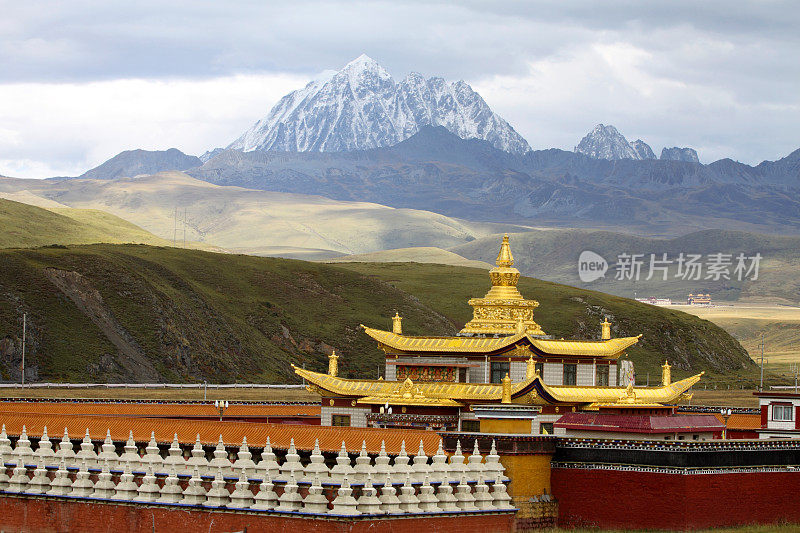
397,324
530,368
503,310
504,258
333,364
606,329
629,396
506,389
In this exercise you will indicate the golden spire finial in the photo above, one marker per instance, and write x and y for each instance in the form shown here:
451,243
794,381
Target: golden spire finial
333,364
506,389
606,329
504,258
397,324
666,374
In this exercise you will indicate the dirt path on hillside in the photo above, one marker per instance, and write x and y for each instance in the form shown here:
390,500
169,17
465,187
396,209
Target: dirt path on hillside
89,301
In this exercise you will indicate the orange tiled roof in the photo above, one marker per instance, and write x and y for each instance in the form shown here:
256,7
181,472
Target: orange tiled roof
165,410
741,421
330,438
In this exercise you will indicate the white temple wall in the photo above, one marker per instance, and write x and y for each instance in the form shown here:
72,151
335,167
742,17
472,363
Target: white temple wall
518,369
358,415
553,373
585,377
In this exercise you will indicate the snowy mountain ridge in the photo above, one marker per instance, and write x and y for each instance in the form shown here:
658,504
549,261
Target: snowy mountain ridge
606,142
362,107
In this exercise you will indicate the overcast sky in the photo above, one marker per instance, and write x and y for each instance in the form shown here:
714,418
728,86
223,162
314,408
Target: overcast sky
82,81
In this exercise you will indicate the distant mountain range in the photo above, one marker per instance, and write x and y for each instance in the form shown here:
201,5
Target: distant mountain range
132,163
606,142
359,135
362,107
437,171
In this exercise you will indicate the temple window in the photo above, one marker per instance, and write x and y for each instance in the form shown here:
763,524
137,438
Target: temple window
540,369
340,420
570,374
546,428
499,371
471,426
602,376
782,413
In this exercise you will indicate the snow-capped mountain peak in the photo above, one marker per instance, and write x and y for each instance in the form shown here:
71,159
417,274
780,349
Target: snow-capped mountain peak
605,142
643,149
362,106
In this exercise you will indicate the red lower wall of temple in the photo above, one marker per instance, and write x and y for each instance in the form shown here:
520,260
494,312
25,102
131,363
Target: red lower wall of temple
46,515
649,500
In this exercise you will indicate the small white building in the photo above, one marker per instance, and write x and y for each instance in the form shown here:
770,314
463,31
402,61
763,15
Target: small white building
779,414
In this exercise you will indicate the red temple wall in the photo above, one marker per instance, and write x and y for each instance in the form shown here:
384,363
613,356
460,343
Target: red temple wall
644,500
49,515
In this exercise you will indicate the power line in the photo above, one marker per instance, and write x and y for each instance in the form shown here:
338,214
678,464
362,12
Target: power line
761,345
24,332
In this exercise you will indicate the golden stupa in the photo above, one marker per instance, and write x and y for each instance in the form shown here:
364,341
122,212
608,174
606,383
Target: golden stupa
503,311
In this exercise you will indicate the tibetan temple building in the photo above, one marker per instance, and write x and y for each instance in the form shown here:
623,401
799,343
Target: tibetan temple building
500,373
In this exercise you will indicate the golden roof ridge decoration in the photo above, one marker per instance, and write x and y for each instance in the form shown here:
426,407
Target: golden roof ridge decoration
608,348
408,393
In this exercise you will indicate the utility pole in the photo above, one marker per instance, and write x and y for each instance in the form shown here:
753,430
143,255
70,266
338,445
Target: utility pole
761,345
175,227
184,227
24,332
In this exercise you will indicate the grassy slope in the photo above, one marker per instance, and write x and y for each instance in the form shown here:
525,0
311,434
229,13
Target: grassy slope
26,226
194,314
256,222
199,315
426,254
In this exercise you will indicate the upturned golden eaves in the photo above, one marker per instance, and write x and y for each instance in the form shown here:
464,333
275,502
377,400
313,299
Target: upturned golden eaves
427,393
611,348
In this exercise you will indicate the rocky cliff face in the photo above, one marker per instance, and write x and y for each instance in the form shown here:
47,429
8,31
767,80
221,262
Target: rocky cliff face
643,149
362,107
680,154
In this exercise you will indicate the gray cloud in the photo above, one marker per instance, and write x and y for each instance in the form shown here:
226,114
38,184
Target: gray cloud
720,76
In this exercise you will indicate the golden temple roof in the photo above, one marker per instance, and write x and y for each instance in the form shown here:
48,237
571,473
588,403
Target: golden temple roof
385,390
617,395
435,393
605,348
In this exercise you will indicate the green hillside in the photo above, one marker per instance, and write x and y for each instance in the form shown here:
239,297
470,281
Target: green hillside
141,313
25,226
